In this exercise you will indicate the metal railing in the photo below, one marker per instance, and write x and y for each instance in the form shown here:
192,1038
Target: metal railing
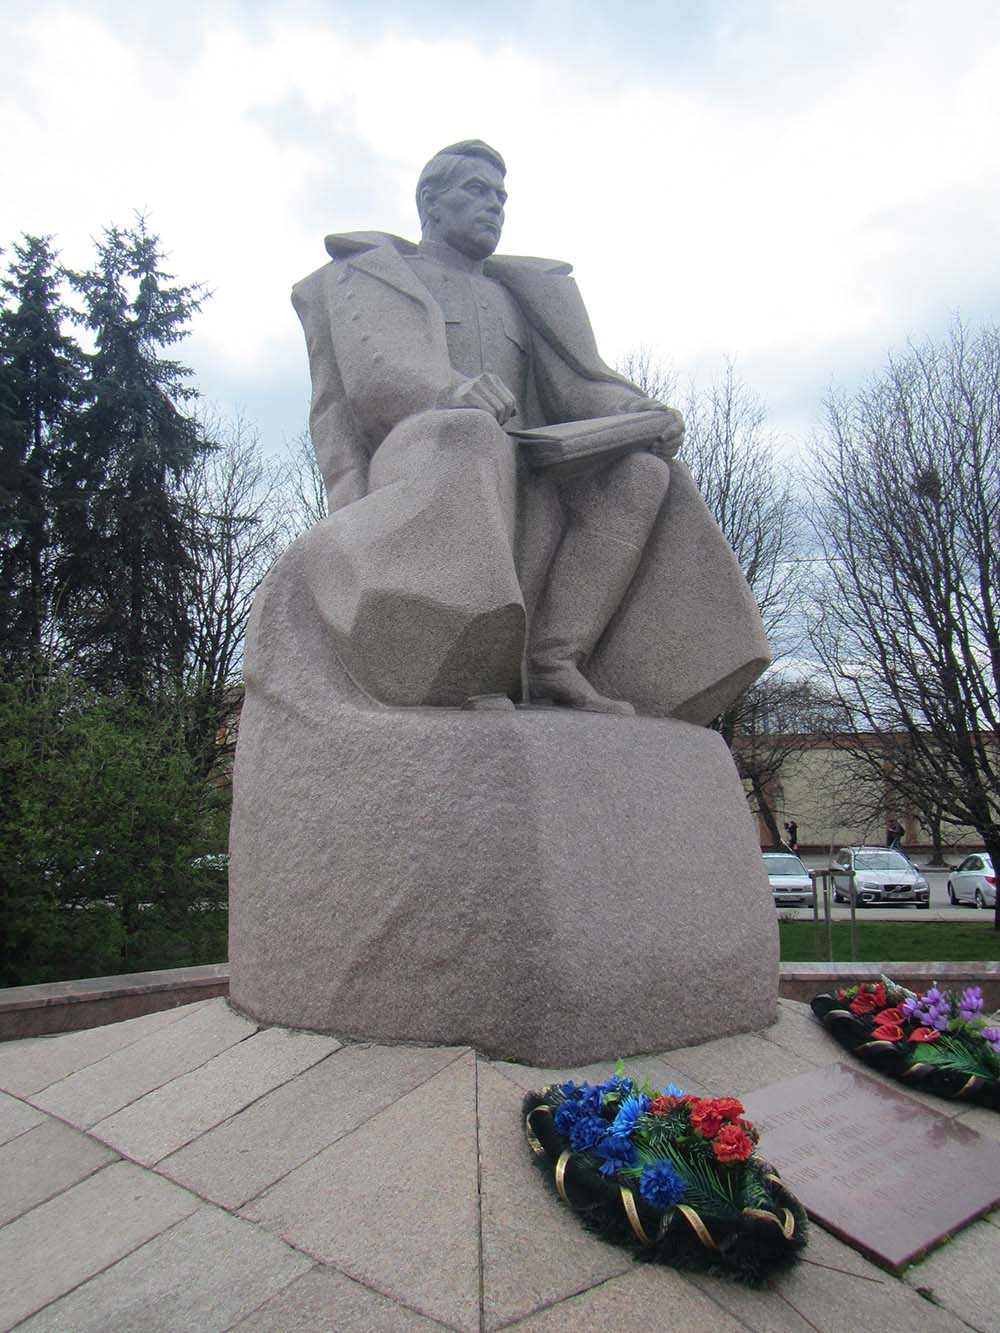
822,881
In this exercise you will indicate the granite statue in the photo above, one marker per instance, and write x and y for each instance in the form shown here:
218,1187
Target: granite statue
450,563
419,851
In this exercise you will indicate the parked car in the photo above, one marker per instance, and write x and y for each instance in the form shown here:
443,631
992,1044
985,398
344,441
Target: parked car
789,879
974,881
883,878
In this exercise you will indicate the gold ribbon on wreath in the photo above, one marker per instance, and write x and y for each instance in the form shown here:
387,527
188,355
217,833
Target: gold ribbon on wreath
697,1226
533,1141
632,1213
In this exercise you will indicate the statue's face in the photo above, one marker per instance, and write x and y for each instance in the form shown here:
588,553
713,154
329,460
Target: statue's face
468,215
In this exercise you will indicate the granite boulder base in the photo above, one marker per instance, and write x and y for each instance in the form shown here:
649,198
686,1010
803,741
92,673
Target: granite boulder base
542,884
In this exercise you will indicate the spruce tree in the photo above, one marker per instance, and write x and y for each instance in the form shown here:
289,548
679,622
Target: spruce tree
126,565
40,367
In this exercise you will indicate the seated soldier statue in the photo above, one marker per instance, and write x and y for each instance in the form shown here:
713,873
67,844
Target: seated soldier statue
451,569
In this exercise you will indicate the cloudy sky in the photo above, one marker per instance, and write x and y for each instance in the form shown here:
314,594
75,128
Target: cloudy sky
799,184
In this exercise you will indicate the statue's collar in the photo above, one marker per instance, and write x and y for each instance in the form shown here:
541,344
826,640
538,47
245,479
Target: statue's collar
348,244
342,245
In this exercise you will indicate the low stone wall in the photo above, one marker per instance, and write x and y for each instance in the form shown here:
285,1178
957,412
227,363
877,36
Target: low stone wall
801,981
67,1006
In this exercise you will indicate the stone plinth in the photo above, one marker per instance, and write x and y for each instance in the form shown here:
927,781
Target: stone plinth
541,884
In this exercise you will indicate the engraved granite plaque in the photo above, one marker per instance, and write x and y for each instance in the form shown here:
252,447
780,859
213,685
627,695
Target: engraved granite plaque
872,1165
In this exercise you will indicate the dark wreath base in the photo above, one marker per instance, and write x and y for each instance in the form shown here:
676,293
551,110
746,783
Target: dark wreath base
890,1057
750,1248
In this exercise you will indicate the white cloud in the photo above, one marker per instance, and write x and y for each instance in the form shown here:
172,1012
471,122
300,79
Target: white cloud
794,190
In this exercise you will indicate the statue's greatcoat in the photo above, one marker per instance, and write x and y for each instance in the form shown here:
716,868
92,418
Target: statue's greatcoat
427,540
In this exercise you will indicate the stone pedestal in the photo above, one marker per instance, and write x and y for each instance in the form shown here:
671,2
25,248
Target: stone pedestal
545,885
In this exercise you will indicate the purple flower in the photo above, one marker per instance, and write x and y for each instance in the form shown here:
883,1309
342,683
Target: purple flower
616,1151
992,1035
910,1006
661,1185
628,1113
971,1003
587,1132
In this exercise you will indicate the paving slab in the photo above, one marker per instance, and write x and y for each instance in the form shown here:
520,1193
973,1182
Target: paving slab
51,1249
734,1066
122,1077
166,1119
657,1068
837,1291
28,1065
534,1248
244,1155
763,1309
647,1296
167,1284
43,1162
324,1299
17,1117
395,1203
963,1277
797,1030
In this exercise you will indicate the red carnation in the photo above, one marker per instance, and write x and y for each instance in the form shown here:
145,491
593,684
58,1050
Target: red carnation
729,1108
895,1015
866,1003
705,1118
888,1032
924,1034
732,1145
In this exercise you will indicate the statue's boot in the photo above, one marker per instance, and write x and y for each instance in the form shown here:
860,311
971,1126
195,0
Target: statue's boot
613,516
587,581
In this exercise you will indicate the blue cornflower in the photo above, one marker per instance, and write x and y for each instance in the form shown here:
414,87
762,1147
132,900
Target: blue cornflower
672,1090
569,1089
568,1114
661,1185
592,1097
616,1151
628,1113
587,1132
617,1083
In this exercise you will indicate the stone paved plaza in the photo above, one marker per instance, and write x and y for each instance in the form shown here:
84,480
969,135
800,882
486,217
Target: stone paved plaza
189,1170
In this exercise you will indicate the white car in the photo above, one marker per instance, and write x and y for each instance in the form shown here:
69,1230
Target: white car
974,881
882,878
789,879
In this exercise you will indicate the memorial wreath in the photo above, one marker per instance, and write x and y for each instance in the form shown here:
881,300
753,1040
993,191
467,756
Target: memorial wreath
673,1176
939,1042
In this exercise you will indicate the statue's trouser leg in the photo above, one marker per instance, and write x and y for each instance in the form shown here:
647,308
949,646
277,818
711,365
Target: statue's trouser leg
438,559
611,517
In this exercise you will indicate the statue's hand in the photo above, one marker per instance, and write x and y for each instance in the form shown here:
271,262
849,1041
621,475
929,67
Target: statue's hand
673,434
486,393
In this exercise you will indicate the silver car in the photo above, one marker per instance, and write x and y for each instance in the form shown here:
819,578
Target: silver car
789,879
882,877
974,881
